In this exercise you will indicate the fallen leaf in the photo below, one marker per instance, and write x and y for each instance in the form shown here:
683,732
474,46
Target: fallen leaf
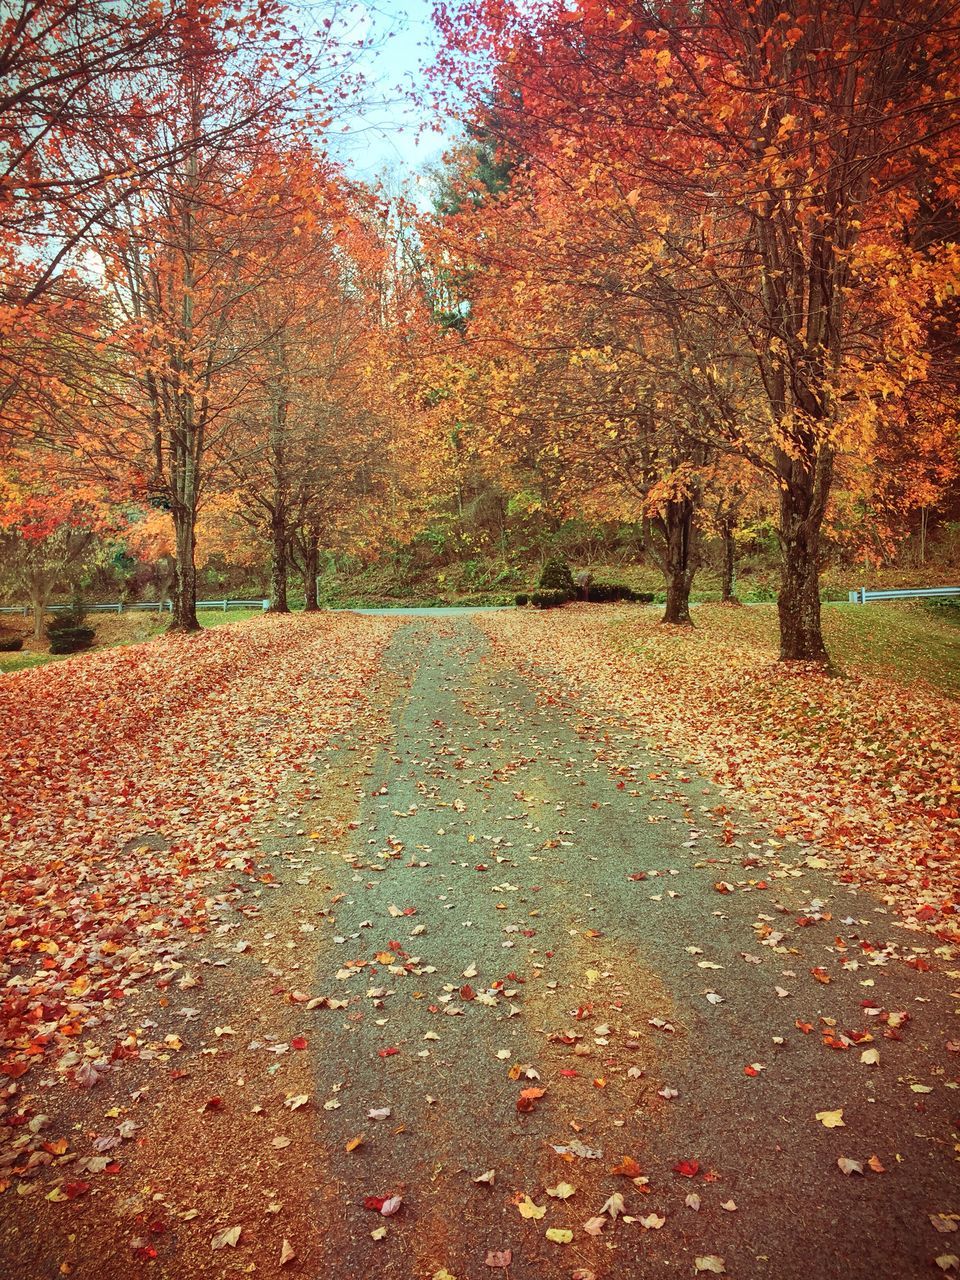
528,1209
228,1236
501,1258
614,1206
831,1119
562,1191
709,1262
287,1253
559,1235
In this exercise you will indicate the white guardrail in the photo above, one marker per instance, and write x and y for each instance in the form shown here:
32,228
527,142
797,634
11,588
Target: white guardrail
862,596
152,606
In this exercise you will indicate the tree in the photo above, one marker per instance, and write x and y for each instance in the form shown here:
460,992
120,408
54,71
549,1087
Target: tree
776,155
48,531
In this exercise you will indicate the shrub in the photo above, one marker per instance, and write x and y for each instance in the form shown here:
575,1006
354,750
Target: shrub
556,576
72,639
66,631
549,599
11,644
522,599
66,620
609,592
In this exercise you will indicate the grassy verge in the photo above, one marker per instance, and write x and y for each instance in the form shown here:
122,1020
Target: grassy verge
905,640
113,630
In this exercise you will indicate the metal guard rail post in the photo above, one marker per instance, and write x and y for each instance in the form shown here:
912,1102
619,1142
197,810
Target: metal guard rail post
862,596
139,606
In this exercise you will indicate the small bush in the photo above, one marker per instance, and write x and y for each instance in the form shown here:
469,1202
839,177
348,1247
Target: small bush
11,644
549,599
66,620
71,639
66,631
522,599
609,592
556,576
643,597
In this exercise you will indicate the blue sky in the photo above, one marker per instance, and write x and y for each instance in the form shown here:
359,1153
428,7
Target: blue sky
388,137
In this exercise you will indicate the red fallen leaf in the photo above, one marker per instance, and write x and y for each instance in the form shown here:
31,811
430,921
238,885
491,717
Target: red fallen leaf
481,866
750,1071
529,1098
146,1252
499,1258
687,1168
569,1072
918,963
820,974
467,992
73,1190
637,875
375,1203
805,1027
927,913
628,1168
213,1104
15,1069
387,1053
298,1042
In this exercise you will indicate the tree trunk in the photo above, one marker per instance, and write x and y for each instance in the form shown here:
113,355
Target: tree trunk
278,565
680,559
39,595
728,586
311,566
802,505
185,574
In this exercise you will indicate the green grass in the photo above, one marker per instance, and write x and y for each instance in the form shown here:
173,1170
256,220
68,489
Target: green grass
905,640
24,661
156,626
216,617
909,640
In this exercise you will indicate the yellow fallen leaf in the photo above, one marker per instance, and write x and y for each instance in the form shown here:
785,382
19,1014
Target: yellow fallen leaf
831,1119
559,1235
562,1191
530,1210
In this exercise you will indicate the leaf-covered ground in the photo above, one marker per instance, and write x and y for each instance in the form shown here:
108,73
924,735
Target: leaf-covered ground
865,762
387,948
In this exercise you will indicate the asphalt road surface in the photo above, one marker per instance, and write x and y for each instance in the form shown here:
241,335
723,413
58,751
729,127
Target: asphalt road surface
521,900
